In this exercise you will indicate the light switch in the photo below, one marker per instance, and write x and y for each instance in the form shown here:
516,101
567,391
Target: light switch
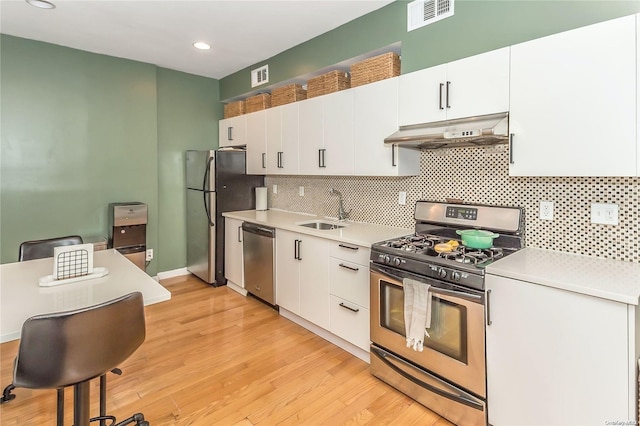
402,198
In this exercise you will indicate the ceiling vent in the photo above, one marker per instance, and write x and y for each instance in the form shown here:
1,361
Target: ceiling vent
425,12
260,76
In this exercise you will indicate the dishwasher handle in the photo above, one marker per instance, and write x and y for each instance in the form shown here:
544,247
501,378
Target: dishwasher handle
254,228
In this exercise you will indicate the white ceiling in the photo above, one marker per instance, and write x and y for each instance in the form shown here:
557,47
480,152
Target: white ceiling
241,32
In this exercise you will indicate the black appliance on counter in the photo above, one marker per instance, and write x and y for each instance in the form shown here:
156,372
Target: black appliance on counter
217,182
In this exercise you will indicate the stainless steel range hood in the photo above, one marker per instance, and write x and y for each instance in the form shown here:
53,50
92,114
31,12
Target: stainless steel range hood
481,130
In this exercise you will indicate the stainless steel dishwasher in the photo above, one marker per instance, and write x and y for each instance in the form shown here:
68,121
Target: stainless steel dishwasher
258,247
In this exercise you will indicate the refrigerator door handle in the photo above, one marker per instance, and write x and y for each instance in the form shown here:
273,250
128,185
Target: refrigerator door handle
205,193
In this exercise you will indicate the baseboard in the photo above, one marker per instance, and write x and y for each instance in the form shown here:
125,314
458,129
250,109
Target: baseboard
236,287
170,274
327,335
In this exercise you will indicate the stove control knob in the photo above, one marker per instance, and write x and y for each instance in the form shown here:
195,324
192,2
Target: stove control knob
396,261
442,273
456,276
387,259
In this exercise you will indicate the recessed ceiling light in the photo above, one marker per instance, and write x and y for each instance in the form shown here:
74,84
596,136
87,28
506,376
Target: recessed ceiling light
201,45
42,4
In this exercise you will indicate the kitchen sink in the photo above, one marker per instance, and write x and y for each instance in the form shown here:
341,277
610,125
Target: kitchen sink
321,225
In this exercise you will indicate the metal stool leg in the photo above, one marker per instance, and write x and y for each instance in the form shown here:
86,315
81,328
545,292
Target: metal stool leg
81,404
60,408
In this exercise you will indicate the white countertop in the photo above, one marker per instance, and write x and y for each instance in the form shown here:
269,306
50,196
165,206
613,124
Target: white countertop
357,233
21,296
605,278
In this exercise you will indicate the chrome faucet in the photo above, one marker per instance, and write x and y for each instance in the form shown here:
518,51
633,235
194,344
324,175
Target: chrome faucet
342,214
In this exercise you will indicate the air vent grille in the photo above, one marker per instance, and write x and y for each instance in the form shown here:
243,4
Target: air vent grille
425,12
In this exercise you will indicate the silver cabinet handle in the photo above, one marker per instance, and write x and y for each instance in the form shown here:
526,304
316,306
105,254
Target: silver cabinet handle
489,322
239,234
440,96
393,155
280,159
321,158
348,247
230,133
448,90
264,160
342,265
511,135
296,249
342,305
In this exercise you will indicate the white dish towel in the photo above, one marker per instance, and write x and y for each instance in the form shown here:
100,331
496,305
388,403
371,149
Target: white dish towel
417,312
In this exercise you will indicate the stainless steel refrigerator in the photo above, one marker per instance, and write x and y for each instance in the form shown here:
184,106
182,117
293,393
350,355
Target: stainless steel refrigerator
217,182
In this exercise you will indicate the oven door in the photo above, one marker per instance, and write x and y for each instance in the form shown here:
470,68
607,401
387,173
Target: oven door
455,349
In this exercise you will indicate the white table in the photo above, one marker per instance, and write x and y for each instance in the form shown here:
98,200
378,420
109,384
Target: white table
21,297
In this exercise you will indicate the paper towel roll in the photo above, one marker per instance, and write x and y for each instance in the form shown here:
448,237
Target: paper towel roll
261,198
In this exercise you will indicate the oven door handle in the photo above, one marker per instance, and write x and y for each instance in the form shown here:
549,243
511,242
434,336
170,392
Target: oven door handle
454,394
458,294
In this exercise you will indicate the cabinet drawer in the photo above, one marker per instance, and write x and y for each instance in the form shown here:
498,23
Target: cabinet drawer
349,281
350,252
350,321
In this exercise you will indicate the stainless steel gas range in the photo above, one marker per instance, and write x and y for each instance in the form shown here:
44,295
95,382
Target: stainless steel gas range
449,374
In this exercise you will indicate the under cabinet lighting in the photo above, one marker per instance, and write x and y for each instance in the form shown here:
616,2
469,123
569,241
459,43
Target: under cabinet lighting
201,45
42,4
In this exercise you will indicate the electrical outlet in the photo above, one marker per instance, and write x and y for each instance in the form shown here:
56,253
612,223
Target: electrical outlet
149,256
275,189
546,210
606,214
301,191
402,198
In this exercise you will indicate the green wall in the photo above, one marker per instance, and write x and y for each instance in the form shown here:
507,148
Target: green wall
188,114
477,26
80,130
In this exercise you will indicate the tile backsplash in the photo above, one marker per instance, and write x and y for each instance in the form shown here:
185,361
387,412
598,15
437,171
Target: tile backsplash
481,175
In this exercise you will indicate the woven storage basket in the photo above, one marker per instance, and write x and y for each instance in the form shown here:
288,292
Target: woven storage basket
373,69
233,109
257,102
287,94
330,82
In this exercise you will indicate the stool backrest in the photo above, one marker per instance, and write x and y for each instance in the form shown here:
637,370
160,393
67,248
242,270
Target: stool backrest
61,349
38,249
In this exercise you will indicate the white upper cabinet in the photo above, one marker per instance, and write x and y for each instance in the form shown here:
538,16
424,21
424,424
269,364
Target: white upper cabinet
375,117
476,85
326,134
232,131
573,102
638,91
256,143
282,140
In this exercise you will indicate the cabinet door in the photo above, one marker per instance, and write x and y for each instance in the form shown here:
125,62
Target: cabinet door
287,271
311,139
478,85
256,143
338,157
289,137
233,270
572,110
232,131
555,357
314,280
376,117
273,139
421,96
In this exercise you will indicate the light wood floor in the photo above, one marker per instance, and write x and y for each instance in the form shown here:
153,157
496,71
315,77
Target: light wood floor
212,356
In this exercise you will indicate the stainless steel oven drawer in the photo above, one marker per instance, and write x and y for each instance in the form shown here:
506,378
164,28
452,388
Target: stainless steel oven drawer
449,401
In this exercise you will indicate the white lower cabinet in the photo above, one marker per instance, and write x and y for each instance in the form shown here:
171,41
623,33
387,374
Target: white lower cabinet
349,287
302,277
556,357
233,270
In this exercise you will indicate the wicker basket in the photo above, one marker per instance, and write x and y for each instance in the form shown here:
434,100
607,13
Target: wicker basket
233,109
373,69
330,82
287,94
257,102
